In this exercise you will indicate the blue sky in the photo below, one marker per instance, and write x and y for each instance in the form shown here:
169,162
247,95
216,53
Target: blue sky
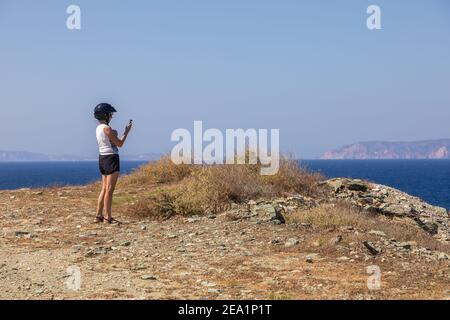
310,68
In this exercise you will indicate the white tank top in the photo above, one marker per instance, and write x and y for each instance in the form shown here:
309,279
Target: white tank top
105,147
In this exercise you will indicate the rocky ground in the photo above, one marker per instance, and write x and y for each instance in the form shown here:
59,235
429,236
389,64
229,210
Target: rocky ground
249,252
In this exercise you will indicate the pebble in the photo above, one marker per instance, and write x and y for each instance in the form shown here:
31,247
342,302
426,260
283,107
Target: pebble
292,242
343,258
406,245
377,233
371,247
336,240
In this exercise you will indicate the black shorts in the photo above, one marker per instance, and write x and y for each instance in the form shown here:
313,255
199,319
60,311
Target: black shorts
109,164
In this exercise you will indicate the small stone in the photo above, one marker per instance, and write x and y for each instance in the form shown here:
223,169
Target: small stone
372,249
336,240
208,284
89,254
148,277
316,244
291,242
357,186
311,257
21,233
275,241
343,258
126,244
377,233
406,245
214,290
443,256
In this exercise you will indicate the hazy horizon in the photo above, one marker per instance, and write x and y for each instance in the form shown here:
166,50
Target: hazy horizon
311,69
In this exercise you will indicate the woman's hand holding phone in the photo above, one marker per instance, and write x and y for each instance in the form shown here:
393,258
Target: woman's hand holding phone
128,127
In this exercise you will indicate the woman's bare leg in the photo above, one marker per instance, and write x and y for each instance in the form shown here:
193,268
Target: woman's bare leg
111,182
101,197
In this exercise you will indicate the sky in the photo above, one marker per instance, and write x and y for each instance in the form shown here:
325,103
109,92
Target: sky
309,68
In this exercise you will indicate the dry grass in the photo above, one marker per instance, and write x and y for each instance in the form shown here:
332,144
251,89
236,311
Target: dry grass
158,172
335,216
330,216
200,189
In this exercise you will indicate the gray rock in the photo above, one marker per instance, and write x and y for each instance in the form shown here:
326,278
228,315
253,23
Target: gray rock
406,245
357,186
292,242
343,259
97,251
208,284
337,240
443,256
275,241
429,226
397,210
21,233
377,233
389,201
372,248
270,213
310,258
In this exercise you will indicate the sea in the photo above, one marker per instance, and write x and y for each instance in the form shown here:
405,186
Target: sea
427,179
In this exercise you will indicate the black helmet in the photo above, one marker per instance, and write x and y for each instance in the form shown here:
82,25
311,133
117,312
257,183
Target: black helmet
103,110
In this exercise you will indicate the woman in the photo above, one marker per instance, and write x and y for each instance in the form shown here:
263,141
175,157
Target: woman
109,161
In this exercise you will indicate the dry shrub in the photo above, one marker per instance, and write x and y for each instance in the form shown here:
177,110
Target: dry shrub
292,177
329,216
198,189
159,172
159,206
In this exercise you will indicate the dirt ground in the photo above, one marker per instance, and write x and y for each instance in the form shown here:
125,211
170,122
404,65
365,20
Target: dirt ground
45,232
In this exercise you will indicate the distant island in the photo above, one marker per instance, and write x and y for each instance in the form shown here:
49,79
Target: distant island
429,149
12,156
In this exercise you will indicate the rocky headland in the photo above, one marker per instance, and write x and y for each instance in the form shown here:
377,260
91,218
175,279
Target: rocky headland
291,247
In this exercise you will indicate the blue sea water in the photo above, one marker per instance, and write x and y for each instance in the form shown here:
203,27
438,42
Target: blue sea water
16,175
427,179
